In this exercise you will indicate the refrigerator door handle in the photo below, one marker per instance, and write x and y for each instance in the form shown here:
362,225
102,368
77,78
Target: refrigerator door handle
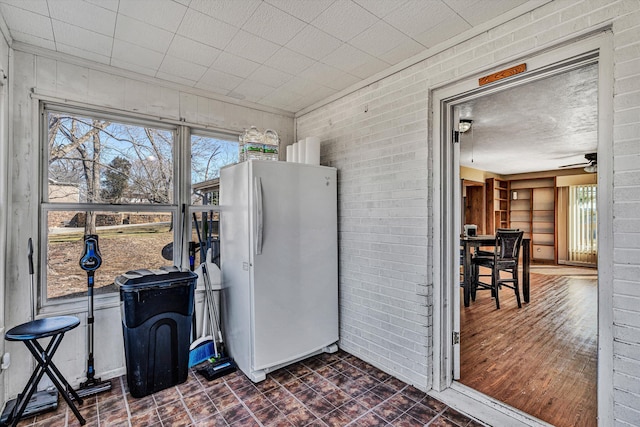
257,198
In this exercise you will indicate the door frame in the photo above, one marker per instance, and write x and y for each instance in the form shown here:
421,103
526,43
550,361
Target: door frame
446,225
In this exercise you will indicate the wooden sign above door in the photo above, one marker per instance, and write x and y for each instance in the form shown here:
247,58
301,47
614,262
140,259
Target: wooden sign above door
502,74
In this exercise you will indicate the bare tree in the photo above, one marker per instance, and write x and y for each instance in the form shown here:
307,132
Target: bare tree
151,166
69,135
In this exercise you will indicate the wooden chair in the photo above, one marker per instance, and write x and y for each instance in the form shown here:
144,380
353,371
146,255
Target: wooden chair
504,259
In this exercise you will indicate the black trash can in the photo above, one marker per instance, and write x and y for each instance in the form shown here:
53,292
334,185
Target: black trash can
157,307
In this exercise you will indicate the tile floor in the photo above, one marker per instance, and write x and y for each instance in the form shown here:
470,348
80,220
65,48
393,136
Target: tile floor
326,390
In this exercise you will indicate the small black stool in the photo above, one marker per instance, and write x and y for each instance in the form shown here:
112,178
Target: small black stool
29,333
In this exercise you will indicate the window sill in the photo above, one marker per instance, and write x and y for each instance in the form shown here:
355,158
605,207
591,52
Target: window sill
78,305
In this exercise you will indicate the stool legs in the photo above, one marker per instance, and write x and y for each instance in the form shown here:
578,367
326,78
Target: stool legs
45,365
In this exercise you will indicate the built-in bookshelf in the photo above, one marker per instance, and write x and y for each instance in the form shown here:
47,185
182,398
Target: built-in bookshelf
497,214
532,209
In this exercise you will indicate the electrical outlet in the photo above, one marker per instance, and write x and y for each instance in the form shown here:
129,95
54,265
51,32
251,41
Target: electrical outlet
6,361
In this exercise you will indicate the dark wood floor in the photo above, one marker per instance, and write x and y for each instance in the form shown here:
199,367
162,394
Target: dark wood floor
541,358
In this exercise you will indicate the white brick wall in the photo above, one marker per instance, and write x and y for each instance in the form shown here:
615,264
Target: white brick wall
378,139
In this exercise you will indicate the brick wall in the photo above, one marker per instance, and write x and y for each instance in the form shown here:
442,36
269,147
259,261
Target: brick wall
378,139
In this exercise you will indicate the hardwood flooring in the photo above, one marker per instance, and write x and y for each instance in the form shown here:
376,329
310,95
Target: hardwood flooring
540,359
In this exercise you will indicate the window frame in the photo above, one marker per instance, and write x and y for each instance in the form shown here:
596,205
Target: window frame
182,188
46,305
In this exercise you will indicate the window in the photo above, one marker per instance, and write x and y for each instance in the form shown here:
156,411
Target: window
110,177
209,152
121,179
583,224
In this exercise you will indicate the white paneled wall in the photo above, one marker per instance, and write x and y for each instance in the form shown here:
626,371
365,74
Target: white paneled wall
378,139
4,179
36,76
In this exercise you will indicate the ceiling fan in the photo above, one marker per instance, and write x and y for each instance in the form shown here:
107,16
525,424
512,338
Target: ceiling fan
591,164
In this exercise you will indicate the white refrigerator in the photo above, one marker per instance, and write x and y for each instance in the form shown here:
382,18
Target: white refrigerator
279,263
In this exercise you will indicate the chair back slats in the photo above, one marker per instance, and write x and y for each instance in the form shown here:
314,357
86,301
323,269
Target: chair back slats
508,245
504,259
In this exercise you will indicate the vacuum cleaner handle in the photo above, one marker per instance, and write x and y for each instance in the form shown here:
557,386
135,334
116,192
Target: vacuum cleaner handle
30,256
91,258
32,303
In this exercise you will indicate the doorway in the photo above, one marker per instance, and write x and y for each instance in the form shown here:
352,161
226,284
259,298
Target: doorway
447,193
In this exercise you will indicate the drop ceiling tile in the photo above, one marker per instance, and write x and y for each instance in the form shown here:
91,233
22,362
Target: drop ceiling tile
25,22
80,38
39,6
443,31
181,68
300,85
404,50
281,99
368,67
205,29
378,39
82,53
124,51
318,94
313,43
297,105
251,47
476,12
344,20
233,64
417,16
192,51
305,10
219,80
354,61
107,4
270,23
326,75
251,91
381,8
84,15
166,14
233,12
270,76
142,34
289,61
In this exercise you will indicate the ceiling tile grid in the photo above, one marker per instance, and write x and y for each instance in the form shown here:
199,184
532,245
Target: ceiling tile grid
248,49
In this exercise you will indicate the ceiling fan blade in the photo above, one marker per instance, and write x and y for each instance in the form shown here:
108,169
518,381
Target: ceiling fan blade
575,165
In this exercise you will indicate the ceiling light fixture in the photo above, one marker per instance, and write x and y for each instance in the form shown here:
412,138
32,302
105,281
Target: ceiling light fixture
464,125
591,168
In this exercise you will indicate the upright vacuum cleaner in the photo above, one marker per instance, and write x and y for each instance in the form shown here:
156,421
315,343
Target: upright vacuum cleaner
90,262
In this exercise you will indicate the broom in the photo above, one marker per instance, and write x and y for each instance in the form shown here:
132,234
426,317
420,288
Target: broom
220,365
204,347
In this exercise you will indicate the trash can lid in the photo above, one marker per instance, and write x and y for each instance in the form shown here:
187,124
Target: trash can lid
162,275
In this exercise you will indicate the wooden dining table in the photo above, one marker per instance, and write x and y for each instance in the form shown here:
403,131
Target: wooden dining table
467,243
